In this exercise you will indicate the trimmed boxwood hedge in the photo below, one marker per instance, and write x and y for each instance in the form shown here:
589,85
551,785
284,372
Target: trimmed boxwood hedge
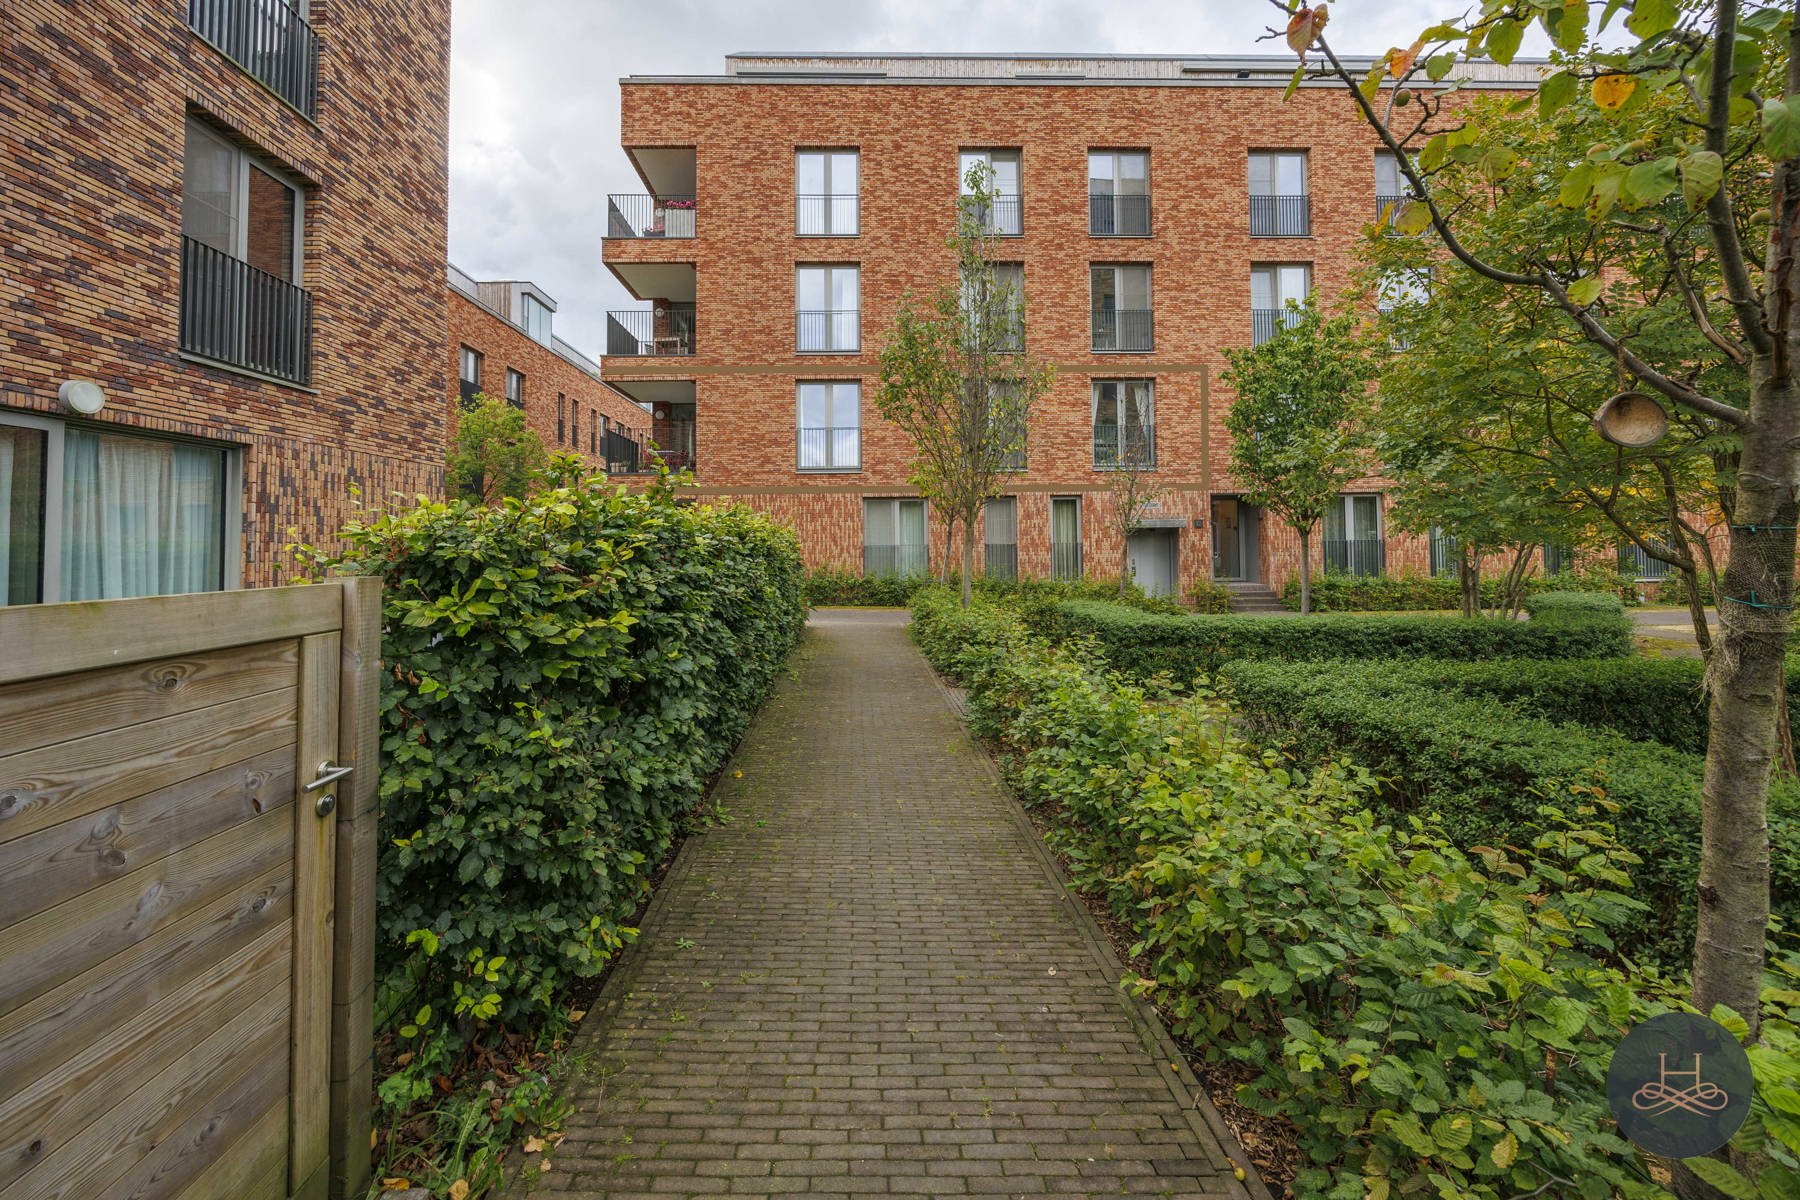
1486,770
1143,644
1567,608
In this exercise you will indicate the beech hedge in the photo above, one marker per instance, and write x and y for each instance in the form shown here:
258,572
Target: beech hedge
1144,644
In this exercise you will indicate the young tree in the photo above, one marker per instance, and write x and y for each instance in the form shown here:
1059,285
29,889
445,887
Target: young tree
494,453
1730,71
1131,480
956,379
1298,424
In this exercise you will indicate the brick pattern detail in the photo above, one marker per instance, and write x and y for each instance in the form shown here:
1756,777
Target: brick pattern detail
92,239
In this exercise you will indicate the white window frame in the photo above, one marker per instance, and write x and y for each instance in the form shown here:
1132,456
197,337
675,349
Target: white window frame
830,386
231,538
1117,270
830,313
243,163
830,193
1118,174
967,158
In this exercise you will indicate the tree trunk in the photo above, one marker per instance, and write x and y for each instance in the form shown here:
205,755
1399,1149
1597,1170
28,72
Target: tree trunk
1305,571
1124,562
968,562
1468,580
1690,579
1744,677
949,534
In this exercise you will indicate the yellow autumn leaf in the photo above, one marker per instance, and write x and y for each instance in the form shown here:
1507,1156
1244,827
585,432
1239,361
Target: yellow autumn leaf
395,1185
575,1014
459,1190
1505,1151
1612,90
534,1145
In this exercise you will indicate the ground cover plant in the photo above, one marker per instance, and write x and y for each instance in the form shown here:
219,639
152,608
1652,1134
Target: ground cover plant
562,675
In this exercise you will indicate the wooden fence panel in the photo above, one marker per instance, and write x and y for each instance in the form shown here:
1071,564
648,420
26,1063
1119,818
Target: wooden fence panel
179,945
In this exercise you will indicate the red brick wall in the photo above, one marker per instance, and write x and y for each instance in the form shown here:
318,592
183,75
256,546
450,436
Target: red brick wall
547,374
746,251
91,133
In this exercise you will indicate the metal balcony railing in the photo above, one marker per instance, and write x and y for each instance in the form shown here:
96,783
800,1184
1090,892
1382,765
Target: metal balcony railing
1637,565
1123,329
1389,204
827,216
649,333
1445,561
1002,216
893,560
233,313
468,390
1124,446
1065,560
830,448
649,216
1265,321
828,331
1000,560
268,38
1281,216
1119,216
1355,556
622,455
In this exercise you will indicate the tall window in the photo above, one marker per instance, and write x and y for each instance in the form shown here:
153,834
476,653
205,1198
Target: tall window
87,515
470,383
1558,560
239,207
1391,186
1124,423
1445,562
575,423
562,412
515,387
893,537
1272,286
593,431
827,320
830,425
1008,281
826,193
1353,541
1000,542
1279,204
1065,537
1119,193
1005,210
1121,307
537,319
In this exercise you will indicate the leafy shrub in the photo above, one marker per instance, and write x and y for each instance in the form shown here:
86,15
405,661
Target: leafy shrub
1569,608
1209,597
563,674
1143,644
1390,593
1484,772
1399,1000
833,587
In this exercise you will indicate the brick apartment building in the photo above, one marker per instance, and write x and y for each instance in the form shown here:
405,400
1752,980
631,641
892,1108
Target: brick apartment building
1159,209
503,345
225,222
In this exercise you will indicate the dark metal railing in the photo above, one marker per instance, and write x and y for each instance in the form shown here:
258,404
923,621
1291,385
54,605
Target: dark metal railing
827,216
1065,560
1002,216
268,38
1119,216
893,560
1445,562
1389,204
1355,556
1124,445
633,216
647,333
1281,216
1635,564
1265,321
822,332
1123,329
1000,560
468,391
830,448
621,454
234,313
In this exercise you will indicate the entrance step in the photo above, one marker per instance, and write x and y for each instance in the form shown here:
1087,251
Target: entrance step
1254,598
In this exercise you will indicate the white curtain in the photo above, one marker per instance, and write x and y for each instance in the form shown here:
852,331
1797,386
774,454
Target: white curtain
140,517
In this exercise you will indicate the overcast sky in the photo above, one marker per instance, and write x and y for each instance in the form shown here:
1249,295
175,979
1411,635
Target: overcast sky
534,95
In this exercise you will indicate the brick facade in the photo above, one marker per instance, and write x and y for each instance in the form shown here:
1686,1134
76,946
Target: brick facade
740,134
92,113
564,398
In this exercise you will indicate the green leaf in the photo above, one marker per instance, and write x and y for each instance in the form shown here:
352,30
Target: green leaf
1652,17
1432,156
1576,185
1649,183
1781,132
1586,290
1571,25
1414,217
1436,67
1452,1132
1721,1176
1498,162
1294,83
1555,91
1701,173
1503,41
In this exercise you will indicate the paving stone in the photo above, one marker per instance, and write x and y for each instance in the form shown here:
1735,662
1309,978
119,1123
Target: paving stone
867,981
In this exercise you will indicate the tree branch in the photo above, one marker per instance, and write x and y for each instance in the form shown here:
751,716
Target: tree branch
1721,223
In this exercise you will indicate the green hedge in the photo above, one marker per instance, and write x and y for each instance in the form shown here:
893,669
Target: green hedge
830,587
1568,608
562,676
1143,644
1485,770
1390,593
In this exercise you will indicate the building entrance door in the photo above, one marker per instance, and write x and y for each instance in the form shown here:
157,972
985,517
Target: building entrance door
1234,539
1153,558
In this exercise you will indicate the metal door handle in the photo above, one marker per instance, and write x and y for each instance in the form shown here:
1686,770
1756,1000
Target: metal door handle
328,775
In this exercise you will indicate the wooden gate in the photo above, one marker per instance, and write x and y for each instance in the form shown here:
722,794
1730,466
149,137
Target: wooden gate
187,894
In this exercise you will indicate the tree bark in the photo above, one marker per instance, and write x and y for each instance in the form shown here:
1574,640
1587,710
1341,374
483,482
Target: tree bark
1690,579
1468,580
968,562
1305,572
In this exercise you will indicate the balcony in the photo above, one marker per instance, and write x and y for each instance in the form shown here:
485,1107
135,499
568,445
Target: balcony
1128,330
1355,556
1001,216
467,390
268,38
1281,216
827,216
1118,216
1265,321
1128,446
651,332
649,216
830,448
830,331
622,455
237,315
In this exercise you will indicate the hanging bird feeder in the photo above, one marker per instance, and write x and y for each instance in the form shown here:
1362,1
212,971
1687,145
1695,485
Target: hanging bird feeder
1632,419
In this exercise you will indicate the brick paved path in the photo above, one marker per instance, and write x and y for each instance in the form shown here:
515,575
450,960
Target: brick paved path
869,982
